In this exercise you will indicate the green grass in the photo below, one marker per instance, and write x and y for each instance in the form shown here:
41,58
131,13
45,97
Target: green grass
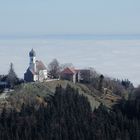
28,93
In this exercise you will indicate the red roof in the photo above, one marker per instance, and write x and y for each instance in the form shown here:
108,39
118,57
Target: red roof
69,71
40,66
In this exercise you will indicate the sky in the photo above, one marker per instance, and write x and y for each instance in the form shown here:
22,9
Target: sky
19,17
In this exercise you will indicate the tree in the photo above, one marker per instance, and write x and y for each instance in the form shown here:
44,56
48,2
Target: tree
127,84
12,78
54,69
66,65
101,78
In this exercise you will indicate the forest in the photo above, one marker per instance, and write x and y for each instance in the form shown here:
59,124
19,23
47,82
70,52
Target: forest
67,115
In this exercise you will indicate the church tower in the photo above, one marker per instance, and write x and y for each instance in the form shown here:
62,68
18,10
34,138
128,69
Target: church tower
32,64
36,70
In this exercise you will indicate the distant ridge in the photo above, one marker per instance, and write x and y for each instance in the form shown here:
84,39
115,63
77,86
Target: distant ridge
73,36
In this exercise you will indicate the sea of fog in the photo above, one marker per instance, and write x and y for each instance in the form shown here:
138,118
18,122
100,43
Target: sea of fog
117,56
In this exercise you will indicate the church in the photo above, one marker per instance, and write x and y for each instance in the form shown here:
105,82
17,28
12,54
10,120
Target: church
36,70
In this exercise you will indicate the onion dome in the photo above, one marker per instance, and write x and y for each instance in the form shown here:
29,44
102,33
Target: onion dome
32,53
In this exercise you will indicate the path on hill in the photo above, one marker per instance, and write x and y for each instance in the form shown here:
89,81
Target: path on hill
3,95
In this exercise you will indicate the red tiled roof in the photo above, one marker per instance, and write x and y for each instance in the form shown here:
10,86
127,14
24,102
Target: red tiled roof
40,66
77,70
69,71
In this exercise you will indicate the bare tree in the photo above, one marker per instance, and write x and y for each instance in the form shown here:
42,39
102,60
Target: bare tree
93,73
66,65
54,69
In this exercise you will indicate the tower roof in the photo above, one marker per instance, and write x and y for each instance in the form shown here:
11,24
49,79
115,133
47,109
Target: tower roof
32,53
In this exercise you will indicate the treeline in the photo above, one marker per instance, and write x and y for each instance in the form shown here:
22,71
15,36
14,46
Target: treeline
116,86
9,80
68,116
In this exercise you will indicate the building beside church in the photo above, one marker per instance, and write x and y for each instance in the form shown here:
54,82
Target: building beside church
36,70
69,74
76,75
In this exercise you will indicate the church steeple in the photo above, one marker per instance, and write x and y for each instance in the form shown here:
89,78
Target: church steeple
32,64
32,53
36,70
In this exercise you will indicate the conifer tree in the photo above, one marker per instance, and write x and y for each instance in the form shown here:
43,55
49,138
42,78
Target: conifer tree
12,78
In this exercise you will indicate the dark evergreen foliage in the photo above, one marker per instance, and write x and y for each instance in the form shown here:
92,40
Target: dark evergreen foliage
127,84
12,78
68,116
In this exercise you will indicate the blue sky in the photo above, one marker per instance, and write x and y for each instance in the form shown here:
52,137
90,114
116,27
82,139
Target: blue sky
69,17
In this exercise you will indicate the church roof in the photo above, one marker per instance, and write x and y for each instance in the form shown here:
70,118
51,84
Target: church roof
32,71
40,66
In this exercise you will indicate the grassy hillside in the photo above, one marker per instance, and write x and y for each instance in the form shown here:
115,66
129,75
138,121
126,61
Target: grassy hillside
34,93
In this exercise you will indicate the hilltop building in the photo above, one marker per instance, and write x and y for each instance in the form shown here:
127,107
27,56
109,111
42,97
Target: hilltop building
69,74
76,75
36,70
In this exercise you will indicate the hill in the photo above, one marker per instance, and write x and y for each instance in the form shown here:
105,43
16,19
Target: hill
35,93
64,110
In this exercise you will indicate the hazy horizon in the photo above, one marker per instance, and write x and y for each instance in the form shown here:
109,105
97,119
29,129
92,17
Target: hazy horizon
72,36
115,57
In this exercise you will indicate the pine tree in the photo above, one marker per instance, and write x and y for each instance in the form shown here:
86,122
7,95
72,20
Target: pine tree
12,78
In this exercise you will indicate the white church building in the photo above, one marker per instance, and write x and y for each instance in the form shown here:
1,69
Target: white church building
36,70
